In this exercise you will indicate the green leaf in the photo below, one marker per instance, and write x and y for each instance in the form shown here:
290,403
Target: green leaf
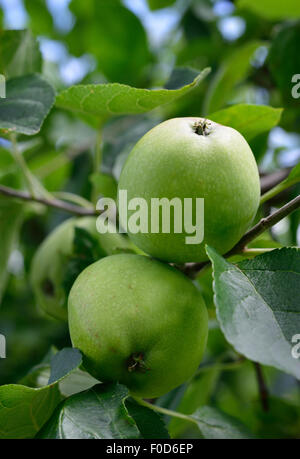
76,381
40,20
86,250
158,4
284,60
24,410
98,413
249,120
149,423
214,425
258,305
64,363
38,376
19,53
28,102
197,393
114,36
11,217
272,9
282,420
293,177
105,185
105,100
233,70
51,167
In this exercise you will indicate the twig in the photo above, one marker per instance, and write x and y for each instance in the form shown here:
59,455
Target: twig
264,224
263,390
56,203
192,269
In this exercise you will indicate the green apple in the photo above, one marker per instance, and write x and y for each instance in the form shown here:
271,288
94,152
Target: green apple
50,261
138,321
193,158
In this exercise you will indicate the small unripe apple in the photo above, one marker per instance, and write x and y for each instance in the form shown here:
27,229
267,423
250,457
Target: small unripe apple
50,263
138,321
193,158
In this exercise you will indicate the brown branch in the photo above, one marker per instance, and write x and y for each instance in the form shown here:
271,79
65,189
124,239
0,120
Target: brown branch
262,387
192,269
55,203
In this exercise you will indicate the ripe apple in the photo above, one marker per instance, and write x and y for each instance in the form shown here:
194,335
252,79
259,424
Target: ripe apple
50,261
193,158
138,321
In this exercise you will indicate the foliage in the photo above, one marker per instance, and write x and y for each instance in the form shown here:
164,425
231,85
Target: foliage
84,83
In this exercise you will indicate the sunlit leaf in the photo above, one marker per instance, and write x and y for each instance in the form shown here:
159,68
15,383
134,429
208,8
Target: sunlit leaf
105,100
249,120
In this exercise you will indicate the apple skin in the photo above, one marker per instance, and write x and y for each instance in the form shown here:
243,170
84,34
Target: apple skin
131,305
172,160
49,263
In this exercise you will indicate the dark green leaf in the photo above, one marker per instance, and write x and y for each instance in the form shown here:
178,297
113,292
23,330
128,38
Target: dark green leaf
28,102
86,250
258,305
149,423
98,413
284,59
63,363
214,425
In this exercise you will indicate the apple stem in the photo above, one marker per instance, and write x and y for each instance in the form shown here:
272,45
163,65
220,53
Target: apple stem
136,363
202,127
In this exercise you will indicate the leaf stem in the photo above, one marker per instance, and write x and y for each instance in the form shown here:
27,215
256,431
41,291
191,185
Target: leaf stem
164,411
97,161
98,152
263,390
19,159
